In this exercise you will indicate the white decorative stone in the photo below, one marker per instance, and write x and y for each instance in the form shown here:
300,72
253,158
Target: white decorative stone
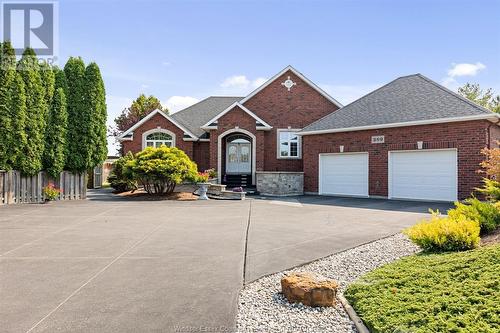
288,83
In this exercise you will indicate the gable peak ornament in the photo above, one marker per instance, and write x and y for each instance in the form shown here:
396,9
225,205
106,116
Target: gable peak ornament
288,83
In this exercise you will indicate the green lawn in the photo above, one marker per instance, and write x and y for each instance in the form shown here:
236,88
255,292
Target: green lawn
450,292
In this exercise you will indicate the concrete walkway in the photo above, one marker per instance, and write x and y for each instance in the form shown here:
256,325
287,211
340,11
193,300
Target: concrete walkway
108,265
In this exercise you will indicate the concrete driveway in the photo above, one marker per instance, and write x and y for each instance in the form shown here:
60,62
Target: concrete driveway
108,265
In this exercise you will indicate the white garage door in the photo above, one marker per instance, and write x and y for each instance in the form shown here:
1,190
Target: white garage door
426,175
343,174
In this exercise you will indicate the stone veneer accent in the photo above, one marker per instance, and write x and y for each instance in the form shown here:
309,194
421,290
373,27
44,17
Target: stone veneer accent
280,183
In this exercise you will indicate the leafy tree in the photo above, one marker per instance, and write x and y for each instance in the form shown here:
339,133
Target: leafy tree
7,78
485,98
159,170
139,109
95,104
18,151
55,135
35,103
78,150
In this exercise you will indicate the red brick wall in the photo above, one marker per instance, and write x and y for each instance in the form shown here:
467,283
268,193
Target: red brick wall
468,137
230,120
158,120
281,108
201,154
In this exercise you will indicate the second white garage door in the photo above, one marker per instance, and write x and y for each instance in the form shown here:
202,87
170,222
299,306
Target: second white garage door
426,175
343,174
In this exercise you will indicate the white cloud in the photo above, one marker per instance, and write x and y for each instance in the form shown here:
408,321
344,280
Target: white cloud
450,83
465,69
176,103
235,81
240,84
144,87
346,94
166,63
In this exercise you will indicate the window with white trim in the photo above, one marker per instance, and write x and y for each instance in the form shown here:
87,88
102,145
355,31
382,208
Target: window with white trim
289,144
157,139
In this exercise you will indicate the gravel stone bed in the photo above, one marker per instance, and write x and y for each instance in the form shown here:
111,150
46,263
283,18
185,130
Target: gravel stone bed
262,307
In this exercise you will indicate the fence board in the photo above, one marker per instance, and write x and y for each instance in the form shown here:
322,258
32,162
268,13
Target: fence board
15,188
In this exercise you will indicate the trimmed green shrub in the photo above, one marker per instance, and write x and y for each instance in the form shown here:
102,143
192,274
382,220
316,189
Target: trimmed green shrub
452,233
118,180
55,135
159,170
485,214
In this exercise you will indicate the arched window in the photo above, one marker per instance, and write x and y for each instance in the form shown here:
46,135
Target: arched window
157,139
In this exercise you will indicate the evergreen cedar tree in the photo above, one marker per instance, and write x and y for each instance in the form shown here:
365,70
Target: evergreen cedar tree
55,135
49,121
7,79
36,108
95,104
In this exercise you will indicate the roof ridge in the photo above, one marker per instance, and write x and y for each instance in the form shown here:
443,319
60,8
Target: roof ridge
186,108
454,94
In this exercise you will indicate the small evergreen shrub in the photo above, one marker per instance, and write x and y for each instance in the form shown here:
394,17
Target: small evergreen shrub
117,179
490,189
439,234
486,214
159,170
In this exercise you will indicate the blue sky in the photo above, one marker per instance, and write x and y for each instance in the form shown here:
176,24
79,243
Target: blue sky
184,51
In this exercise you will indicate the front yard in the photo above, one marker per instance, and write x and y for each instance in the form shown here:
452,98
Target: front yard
451,292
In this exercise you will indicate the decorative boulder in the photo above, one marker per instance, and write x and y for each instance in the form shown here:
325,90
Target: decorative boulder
309,289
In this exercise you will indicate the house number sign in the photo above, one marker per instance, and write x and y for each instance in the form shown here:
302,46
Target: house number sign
378,139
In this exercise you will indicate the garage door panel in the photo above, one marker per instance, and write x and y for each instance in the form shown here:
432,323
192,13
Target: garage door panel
344,174
427,175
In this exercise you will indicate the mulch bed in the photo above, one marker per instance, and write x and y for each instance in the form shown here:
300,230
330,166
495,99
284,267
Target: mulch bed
141,195
490,239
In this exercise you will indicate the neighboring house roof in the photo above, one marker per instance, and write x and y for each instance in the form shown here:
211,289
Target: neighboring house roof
195,116
301,76
261,124
127,134
408,100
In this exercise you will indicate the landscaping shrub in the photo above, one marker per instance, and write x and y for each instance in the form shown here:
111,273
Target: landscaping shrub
159,170
491,189
486,214
450,292
117,179
453,233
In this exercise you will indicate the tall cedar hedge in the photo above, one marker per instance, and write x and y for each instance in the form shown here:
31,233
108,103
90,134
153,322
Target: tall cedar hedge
49,117
36,112
95,105
7,78
79,144
55,136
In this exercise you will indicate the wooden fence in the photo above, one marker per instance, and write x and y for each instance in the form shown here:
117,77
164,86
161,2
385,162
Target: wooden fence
16,188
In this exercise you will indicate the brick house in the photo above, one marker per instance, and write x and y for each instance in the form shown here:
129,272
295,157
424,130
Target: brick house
410,139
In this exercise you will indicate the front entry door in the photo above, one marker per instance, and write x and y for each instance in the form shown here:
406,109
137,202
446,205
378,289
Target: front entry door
238,158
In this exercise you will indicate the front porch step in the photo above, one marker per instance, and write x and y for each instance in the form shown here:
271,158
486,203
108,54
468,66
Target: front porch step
232,181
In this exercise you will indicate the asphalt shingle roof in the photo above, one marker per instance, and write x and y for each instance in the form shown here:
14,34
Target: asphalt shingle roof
408,98
199,114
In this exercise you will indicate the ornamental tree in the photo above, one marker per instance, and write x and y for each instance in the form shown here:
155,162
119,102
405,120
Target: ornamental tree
95,105
29,70
79,148
54,156
159,170
139,109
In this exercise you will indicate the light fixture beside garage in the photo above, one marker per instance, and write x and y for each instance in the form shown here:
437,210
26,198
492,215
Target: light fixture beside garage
420,144
341,149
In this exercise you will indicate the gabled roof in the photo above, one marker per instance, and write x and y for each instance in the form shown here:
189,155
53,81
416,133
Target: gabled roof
301,76
196,115
126,135
261,124
408,100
